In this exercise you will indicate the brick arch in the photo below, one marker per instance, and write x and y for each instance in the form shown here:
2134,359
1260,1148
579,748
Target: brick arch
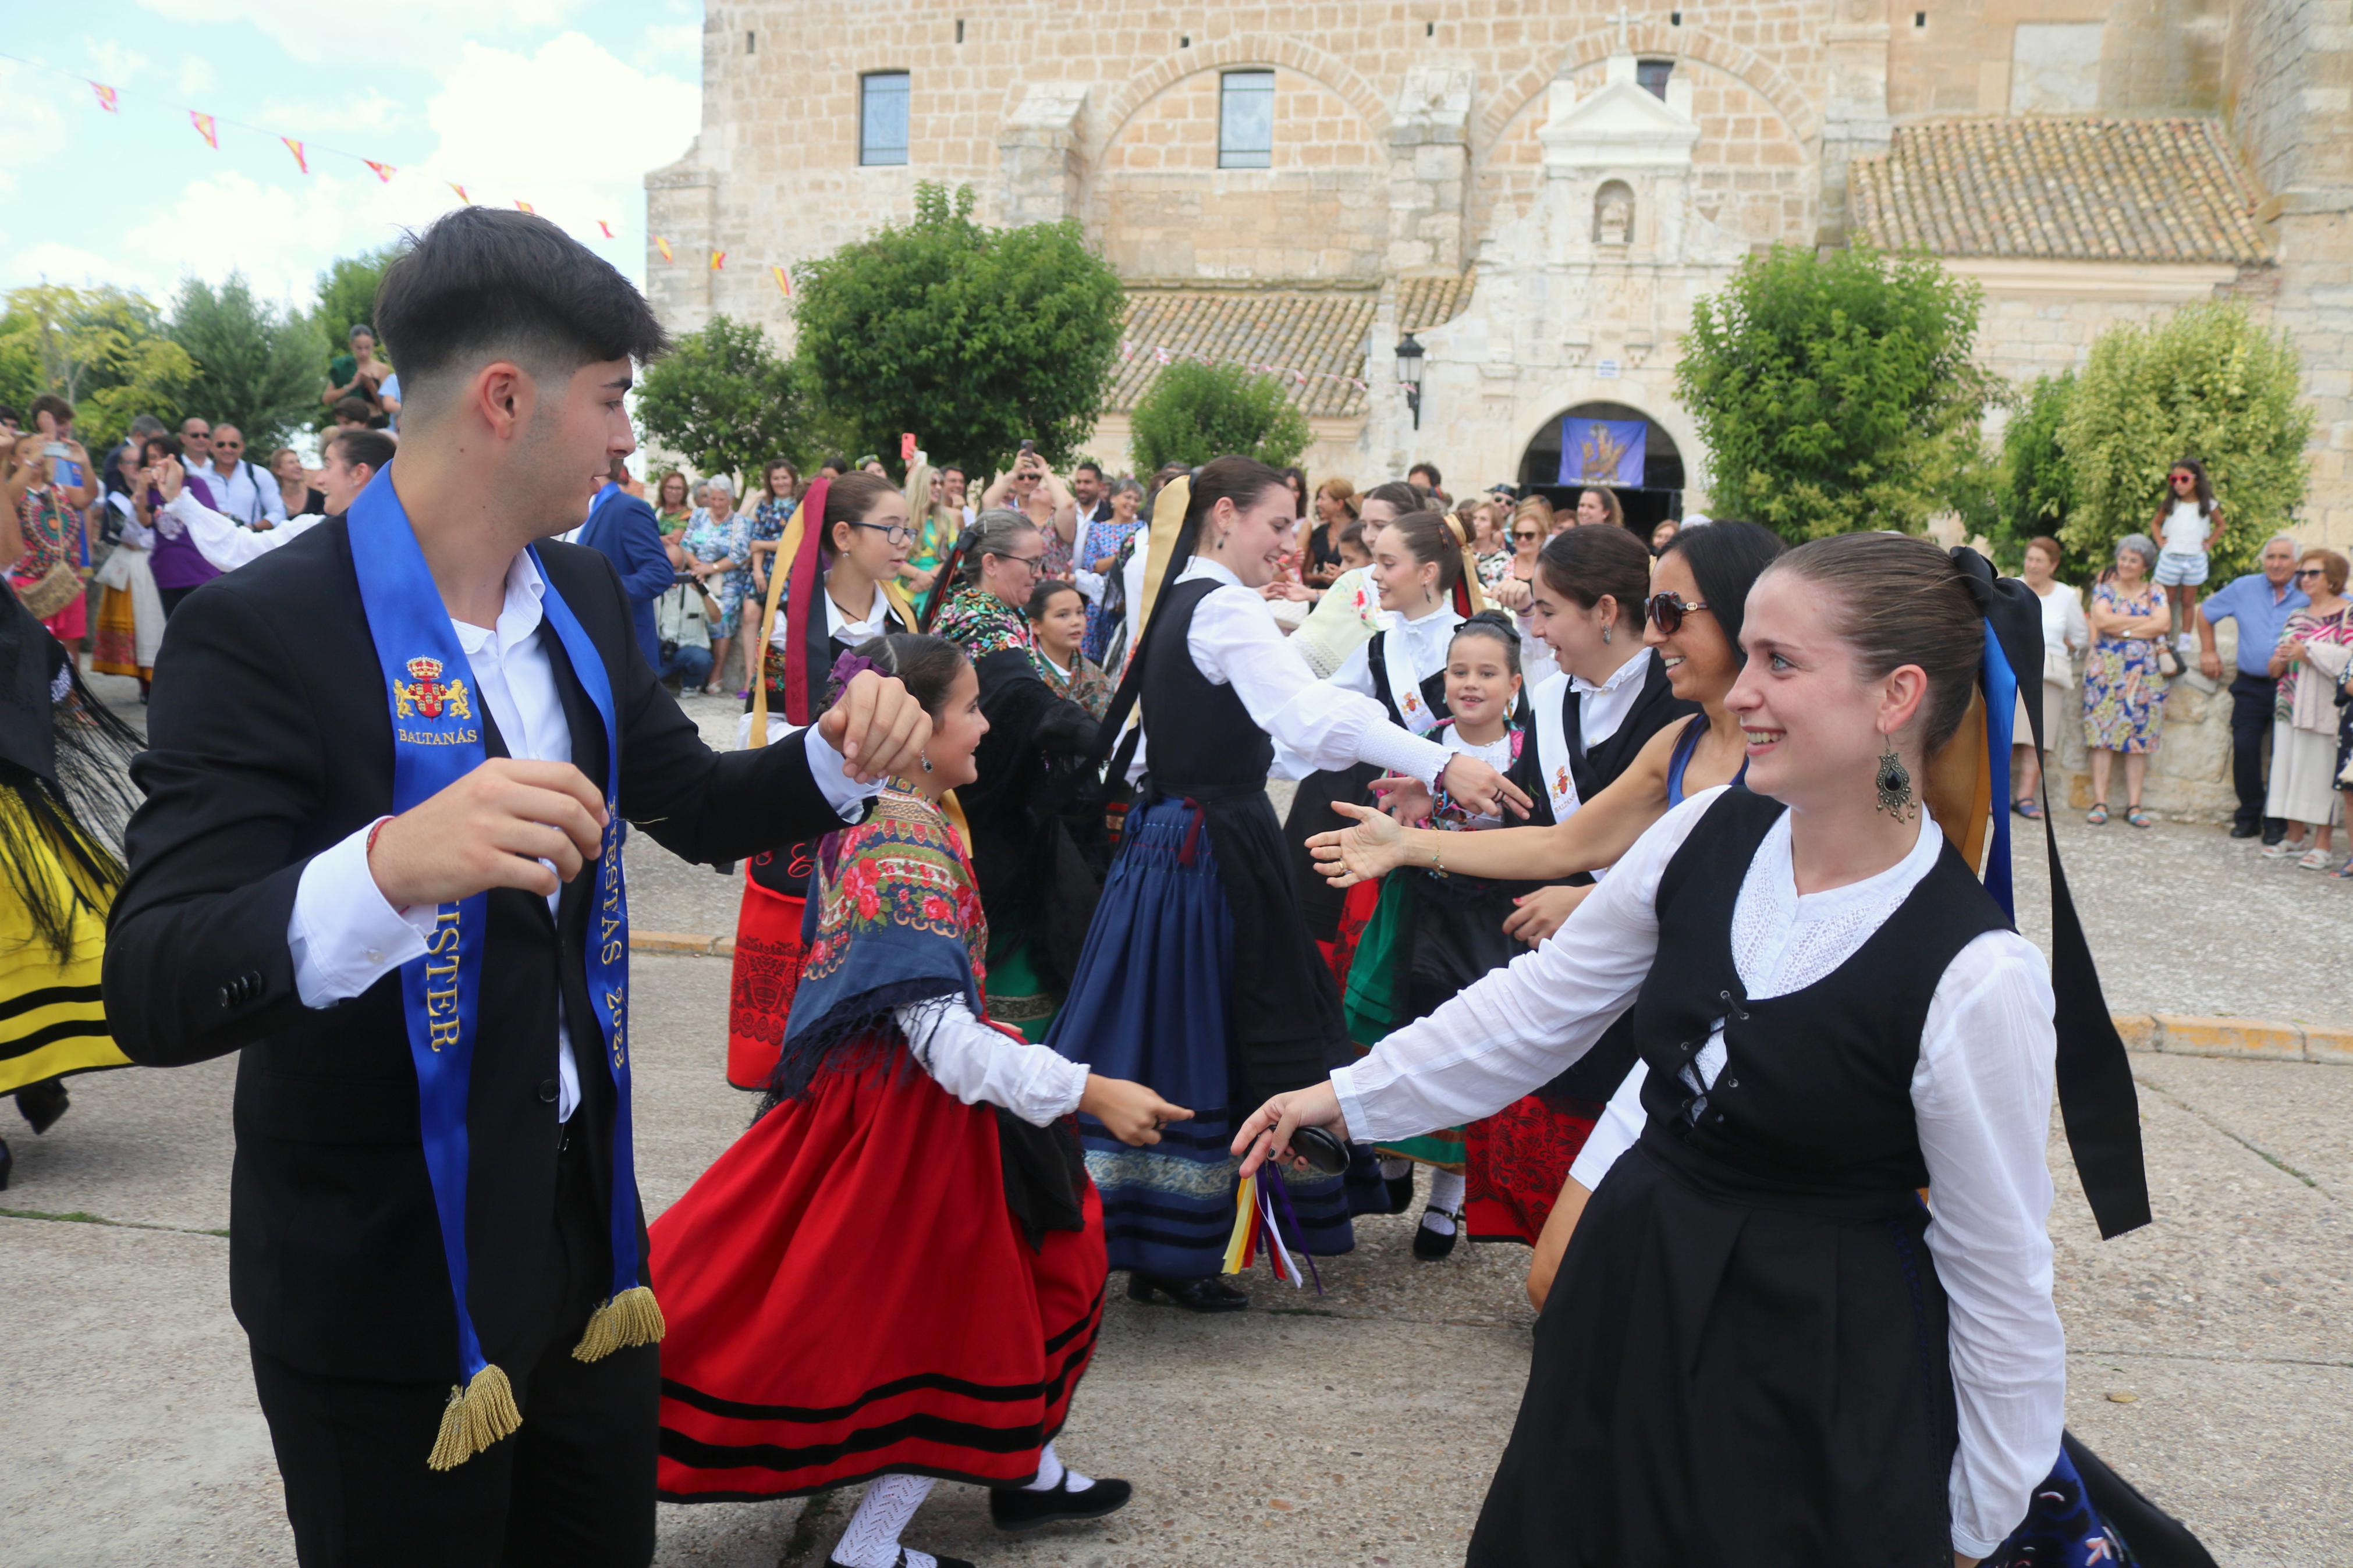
1769,82
1244,49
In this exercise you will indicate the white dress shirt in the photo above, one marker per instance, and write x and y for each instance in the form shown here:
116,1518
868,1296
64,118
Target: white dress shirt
1601,710
343,934
243,494
1980,1091
1315,724
226,542
1426,638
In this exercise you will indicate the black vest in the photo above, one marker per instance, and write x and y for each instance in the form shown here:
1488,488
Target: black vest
1815,1097
785,871
1200,737
1433,685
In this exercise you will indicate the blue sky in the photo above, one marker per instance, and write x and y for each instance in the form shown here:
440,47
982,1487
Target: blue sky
562,103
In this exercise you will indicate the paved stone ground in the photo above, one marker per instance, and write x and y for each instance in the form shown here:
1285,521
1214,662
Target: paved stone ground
2212,1354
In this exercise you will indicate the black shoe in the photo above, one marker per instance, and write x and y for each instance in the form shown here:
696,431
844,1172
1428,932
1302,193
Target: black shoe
1193,1295
1014,1507
1429,1246
42,1103
6,1160
2244,830
942,1561
2270,839
1400,1191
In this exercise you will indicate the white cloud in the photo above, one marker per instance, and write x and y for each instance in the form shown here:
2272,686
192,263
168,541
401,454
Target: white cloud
197,74
367,111
53,263
674,38
114,62
33,127
210,231
414,33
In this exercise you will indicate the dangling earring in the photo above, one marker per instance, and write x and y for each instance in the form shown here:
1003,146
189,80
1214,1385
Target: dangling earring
1894,783
1605,634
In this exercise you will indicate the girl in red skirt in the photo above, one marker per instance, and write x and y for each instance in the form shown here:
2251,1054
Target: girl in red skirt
897,1274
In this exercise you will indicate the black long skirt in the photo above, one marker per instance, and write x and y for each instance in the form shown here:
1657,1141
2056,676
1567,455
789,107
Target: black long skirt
1727,1378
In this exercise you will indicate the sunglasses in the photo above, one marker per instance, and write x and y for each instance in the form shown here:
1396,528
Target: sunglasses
1527,536
1667,613
2185,478
2311,572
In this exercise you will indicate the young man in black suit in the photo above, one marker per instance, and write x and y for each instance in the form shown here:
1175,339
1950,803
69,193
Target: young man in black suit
276,892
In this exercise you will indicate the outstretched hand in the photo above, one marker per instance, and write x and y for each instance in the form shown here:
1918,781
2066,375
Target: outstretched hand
878,727
1480,788
1372,847
1129,1111
1405,800
1266,1134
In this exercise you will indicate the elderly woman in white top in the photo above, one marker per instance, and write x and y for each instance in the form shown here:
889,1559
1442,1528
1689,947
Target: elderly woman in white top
2065,633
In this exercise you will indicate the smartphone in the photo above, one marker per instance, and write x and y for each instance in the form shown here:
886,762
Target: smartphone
1030,445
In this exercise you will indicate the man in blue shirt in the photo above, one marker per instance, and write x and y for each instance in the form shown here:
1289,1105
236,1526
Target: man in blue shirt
2260,601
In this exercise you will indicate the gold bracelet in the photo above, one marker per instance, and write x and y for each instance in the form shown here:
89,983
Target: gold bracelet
1438,856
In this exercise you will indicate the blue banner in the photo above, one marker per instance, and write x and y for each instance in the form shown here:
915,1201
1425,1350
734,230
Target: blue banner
1603,451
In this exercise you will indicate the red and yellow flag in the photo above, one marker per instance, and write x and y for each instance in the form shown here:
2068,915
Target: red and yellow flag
295,147
605,228
525,206
663,246
718,260
784,282
460,190
384,172
205,127
105,96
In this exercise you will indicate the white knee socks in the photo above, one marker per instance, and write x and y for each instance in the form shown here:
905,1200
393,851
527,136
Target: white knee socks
872,1538
1051,1472
1446,1199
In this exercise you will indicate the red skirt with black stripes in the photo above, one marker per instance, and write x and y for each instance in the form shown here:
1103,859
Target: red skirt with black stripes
849,1297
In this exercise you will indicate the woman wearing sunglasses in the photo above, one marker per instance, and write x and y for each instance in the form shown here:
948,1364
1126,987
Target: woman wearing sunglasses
863,547
1513,587
2311,663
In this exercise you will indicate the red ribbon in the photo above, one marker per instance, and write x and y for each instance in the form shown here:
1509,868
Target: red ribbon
800,595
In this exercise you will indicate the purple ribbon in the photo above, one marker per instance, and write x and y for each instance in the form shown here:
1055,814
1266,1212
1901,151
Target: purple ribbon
1283,1205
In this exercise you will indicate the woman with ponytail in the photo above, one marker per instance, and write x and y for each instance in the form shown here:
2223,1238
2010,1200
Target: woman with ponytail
1762,1346
853,529
1198,978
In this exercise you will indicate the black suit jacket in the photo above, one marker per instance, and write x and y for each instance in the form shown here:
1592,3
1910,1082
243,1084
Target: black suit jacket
270,741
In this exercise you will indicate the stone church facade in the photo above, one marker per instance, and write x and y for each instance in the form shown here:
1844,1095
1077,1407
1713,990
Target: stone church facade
1537,190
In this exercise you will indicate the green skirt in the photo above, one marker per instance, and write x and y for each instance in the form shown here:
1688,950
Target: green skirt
1018,994
1376,1005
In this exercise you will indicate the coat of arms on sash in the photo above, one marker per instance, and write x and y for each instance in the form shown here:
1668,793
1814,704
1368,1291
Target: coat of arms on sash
427,695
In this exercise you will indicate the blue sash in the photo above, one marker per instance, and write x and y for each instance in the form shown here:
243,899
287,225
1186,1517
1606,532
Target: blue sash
437,741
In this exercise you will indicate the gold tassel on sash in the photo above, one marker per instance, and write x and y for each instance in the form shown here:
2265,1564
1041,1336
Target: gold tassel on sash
631,1317
479,1414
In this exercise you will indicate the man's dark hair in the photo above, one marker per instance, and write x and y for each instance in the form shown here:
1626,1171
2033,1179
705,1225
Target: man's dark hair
145,424
1432,469
373,447
353,408
8,411
836,463
50,404
1089,465
484,283
956,469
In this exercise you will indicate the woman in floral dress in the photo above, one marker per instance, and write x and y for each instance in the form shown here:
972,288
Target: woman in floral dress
718,545
2124,691
780,494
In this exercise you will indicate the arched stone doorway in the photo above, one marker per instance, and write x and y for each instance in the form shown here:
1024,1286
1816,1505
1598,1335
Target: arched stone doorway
1661,493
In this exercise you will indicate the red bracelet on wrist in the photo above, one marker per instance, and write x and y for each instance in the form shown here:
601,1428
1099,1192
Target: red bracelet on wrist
373,834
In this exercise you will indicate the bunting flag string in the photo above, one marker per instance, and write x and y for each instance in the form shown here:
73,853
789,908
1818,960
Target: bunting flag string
384,172
296,148
105,96
460,190
205,127
663,246
605,228
718,260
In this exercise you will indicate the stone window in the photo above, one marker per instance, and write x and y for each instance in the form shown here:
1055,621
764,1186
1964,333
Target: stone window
1651,75
1246,119
883,116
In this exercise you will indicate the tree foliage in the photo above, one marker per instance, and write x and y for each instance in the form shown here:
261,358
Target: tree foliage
726,403
256,368
1836,392
2208,383
2035,487
1196,412
347,298
102,350
975,339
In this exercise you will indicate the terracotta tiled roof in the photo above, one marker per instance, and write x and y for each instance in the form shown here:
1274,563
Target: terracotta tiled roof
1295,332
2067,189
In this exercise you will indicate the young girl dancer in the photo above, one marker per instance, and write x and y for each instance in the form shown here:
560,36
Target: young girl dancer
1761,1348
1430,935
897,1273
854,529
1198,977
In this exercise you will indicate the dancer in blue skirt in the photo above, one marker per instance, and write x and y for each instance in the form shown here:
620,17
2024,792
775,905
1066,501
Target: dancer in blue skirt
1198,976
